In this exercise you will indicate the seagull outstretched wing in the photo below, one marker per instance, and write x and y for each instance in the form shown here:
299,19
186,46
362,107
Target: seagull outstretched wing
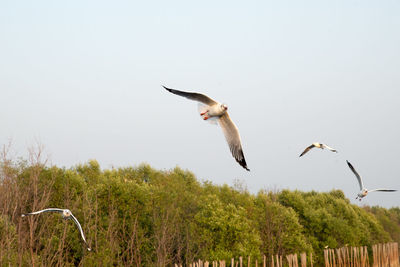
329,148
80,230
356,174
193,96
232,136
41,211
383,190
306,150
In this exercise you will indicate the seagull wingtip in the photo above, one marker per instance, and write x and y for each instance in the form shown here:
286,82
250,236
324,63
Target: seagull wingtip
166,88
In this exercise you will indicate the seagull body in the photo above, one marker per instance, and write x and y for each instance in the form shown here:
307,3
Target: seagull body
66,215
219,112
364,191
317,145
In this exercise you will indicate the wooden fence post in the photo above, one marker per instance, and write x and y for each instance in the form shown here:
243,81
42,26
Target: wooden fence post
339,257
326,259
289,259
303,257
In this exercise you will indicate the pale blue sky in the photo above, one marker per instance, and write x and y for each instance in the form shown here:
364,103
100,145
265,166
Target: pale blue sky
84,78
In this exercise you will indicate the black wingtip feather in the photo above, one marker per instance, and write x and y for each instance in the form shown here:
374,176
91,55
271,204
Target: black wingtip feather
166,88
243,163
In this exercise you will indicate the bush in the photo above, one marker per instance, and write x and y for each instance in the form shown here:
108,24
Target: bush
139,216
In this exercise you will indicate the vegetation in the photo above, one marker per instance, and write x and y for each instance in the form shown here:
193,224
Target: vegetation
145,217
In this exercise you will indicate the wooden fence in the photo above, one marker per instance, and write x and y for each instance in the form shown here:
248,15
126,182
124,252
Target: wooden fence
346,257
276,261
384,255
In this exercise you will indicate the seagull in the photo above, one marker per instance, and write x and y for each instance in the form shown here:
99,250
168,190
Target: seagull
213,110
364,191
66,215
317,145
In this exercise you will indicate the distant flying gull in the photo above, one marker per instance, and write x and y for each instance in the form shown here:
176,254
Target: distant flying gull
364,191
66,214
317,145
214,110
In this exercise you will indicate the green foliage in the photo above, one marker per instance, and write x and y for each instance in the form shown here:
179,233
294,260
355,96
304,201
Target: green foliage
139,216
389,219
329,219
279,227
225,230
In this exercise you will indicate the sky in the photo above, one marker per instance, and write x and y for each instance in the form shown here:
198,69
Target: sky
83,78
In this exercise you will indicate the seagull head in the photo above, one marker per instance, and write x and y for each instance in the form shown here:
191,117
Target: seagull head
66,214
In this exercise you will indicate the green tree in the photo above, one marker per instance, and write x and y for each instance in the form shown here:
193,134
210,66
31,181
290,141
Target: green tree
280,230
225,230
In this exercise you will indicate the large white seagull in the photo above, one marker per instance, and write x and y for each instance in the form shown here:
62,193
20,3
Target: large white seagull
212,109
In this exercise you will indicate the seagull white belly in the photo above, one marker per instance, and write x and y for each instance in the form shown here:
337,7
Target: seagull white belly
215,111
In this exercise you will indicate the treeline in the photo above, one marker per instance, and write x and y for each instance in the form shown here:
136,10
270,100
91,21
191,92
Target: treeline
139,216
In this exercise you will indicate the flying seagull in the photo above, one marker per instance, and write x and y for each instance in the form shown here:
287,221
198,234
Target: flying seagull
66,214
317,145
212,109
364,191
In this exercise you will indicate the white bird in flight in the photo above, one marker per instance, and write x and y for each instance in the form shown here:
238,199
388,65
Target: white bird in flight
66,214
317,145
215,110
364,191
